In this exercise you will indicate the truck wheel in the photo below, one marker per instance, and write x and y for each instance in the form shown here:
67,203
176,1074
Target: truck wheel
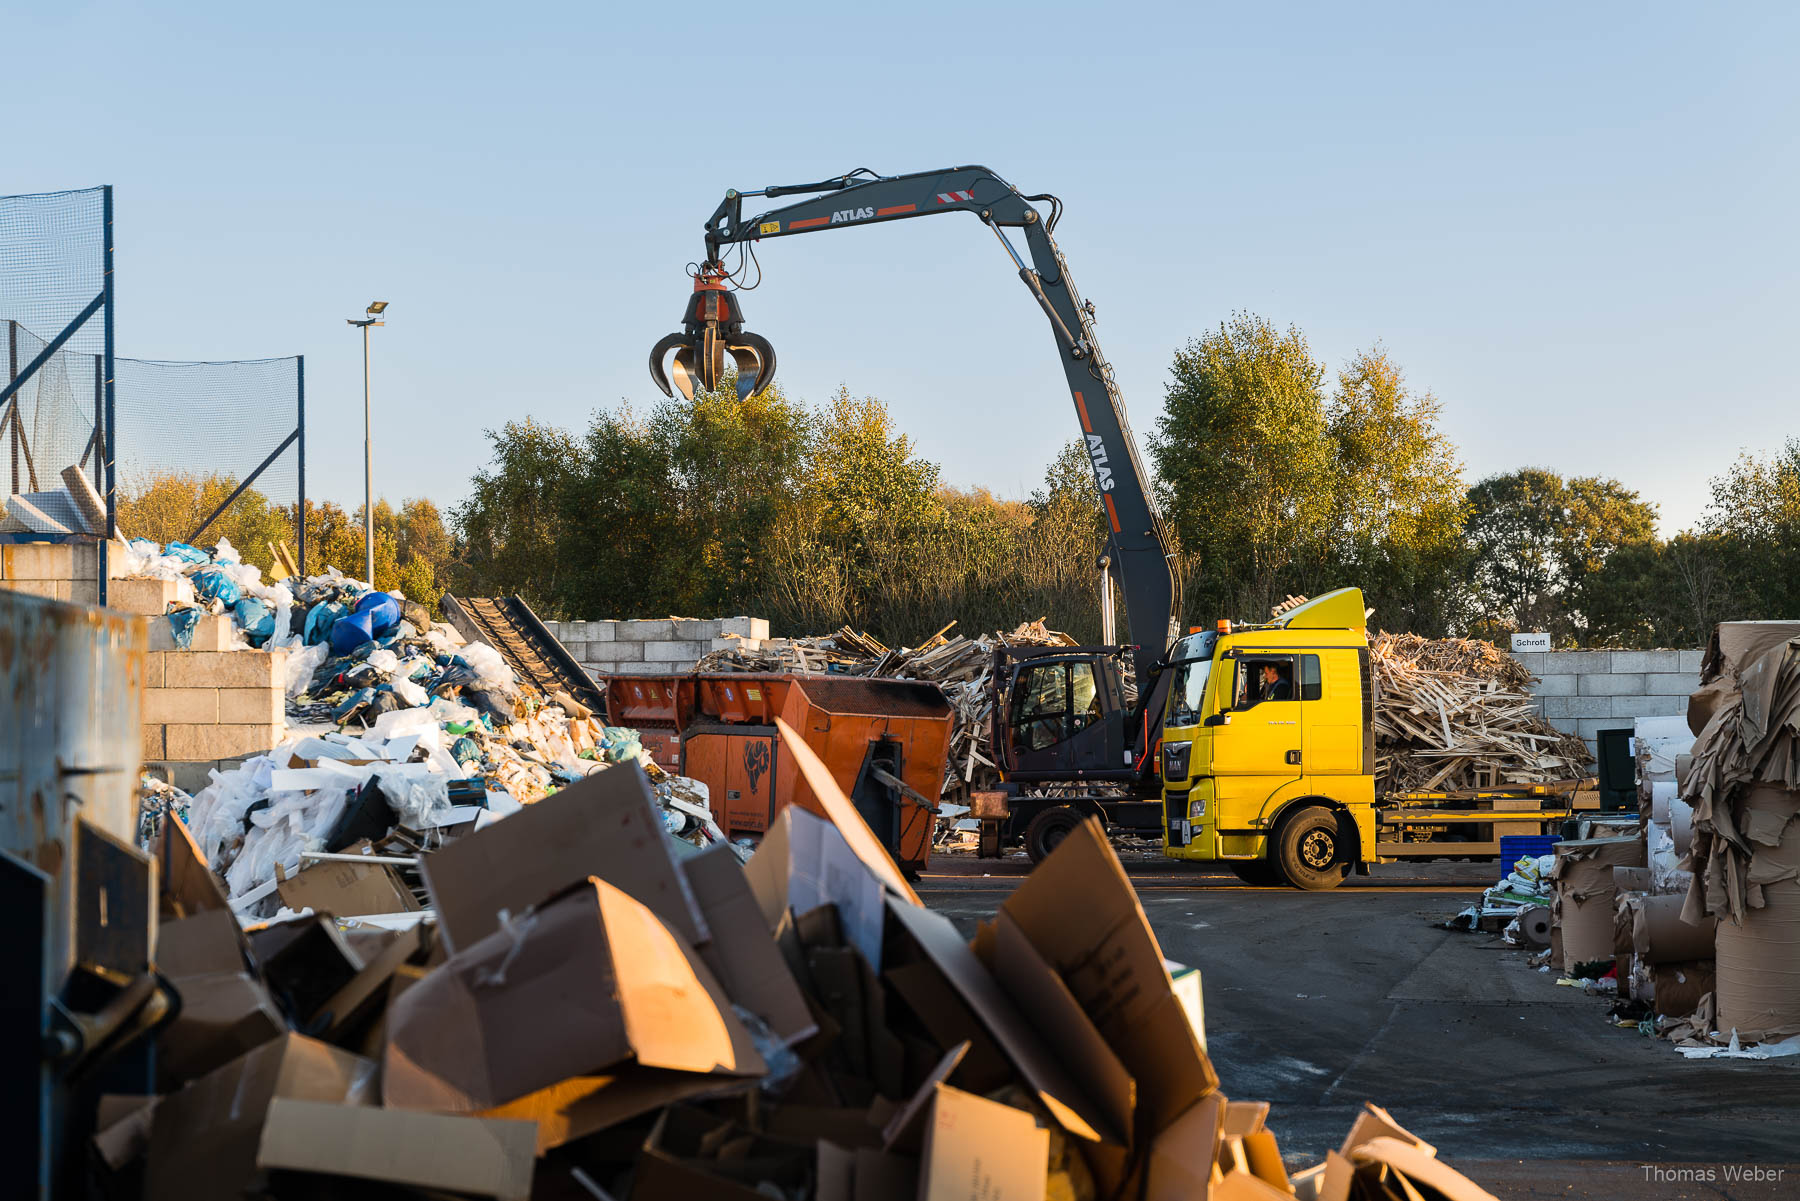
1309,850
1049,828
1257,872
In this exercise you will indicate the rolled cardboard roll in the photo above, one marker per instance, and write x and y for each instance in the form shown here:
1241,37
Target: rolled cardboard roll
1658,935
1759,966
1663,793
1676,988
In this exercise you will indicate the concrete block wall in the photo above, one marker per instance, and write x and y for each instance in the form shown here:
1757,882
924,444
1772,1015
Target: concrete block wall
1582,692
204,707
64,571
655,646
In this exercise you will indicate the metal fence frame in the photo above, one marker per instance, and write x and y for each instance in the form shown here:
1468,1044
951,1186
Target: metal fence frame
105,437
103,305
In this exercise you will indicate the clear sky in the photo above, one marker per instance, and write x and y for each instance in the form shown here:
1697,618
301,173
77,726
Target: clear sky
1573,223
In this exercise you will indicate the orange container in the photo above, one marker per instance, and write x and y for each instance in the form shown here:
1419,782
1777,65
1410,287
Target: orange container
720,729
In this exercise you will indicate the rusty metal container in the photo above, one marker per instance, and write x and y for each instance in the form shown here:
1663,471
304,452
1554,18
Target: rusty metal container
720,729
70,744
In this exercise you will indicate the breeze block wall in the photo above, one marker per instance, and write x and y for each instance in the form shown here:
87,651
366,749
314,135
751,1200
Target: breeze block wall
1581,692
204,707
654,646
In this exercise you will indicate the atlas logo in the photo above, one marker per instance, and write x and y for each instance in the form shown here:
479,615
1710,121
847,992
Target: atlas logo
1102,472
756,762
862,214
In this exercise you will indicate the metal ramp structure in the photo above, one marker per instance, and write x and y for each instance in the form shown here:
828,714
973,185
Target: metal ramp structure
507,624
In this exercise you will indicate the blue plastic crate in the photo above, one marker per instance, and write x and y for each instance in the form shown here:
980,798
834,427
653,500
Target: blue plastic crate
1514,847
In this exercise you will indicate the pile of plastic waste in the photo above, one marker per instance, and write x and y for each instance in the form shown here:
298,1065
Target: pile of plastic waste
397,727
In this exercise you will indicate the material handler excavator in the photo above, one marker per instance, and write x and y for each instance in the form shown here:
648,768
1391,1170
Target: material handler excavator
1248,745
1064,721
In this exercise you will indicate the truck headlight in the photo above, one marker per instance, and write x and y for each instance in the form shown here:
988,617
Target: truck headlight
1196,809
1175,760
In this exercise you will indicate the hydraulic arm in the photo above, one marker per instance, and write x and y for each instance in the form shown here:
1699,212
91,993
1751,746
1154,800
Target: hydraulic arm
713,327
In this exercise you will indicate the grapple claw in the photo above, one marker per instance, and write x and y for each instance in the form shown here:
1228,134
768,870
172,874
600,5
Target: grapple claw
713,325
755,360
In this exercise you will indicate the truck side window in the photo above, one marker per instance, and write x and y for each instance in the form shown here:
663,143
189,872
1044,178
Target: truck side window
1264,678
1310,687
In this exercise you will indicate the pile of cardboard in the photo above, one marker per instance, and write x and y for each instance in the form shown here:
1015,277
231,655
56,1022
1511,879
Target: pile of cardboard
1454,714
596,1012
962,667
1743,784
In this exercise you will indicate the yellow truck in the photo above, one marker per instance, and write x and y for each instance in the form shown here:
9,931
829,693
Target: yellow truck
1268,758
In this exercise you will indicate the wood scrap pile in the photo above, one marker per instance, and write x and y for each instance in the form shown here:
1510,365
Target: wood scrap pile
961,666
1455,713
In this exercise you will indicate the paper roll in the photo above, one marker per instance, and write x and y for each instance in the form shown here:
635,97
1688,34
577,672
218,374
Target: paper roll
1662,794
1759,965
1658,935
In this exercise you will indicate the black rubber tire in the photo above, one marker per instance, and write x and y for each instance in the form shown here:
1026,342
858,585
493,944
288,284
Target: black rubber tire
1049,828
1259,873
1309,849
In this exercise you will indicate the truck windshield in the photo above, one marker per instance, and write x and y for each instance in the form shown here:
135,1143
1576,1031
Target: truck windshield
1191,662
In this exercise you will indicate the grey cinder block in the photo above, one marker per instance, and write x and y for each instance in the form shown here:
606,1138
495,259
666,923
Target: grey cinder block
1611,685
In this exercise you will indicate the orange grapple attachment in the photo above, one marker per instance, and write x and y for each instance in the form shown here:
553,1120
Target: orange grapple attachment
712,327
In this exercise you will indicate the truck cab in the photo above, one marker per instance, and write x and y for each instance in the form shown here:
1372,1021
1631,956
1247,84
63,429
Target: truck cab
1268,748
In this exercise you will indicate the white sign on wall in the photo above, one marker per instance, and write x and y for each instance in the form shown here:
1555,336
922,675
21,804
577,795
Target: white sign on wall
1531,642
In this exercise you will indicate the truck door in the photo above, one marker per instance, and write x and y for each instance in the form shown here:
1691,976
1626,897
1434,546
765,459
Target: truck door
1261,745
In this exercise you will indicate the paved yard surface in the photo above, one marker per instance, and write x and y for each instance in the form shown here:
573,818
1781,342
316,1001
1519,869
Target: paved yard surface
1319,1001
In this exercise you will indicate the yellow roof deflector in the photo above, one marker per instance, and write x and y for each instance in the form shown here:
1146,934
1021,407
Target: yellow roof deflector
1342,609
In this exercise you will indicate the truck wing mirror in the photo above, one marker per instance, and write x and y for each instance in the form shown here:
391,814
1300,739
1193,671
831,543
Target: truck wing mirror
1218,719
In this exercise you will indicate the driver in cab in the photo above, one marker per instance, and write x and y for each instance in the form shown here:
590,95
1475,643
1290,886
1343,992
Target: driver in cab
1272,684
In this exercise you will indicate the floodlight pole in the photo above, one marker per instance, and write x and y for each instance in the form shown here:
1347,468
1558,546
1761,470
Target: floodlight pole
368,449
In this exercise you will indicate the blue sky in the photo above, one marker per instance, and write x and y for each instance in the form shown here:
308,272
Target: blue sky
1574,224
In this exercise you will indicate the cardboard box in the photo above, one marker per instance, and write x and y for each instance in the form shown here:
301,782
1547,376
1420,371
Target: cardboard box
223,1015
804,862
590,981
347,889
1081,914
1041,1066
980,1150
210,941
605,825
483,1157
741,952
188,884
692,1154
204,1138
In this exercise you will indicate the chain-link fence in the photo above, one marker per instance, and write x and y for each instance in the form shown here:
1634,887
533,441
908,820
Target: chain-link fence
56,305
176,451
211,450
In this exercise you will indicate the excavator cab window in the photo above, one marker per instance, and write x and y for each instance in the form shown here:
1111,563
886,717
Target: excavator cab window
1053,702
1040,706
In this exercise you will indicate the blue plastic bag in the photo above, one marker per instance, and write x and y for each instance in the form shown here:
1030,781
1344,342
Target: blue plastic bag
186,553
256,620
319,620
213,584
181,626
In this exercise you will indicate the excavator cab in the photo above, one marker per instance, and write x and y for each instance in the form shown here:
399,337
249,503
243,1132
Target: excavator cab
1060,714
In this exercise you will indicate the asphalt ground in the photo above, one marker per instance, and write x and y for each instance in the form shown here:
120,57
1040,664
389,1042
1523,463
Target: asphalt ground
1317,1002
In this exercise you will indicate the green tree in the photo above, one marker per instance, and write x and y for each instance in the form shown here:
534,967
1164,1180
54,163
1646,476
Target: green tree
1541,544
1243,454
1396,497
509,526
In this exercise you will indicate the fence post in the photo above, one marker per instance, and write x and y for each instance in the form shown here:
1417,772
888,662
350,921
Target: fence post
112,436
12,373
300,510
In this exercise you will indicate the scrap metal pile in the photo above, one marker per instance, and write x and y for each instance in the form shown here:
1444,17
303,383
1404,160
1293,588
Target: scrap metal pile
1455,713
962,667
590,1008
